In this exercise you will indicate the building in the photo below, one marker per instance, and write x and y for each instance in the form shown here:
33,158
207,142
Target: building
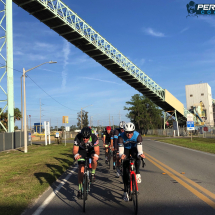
199,96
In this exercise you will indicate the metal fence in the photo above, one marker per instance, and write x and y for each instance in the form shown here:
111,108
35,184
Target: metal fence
169,132
12,140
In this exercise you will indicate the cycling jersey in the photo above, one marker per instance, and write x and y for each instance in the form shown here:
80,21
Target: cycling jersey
130,143
93,141
117,133
108,137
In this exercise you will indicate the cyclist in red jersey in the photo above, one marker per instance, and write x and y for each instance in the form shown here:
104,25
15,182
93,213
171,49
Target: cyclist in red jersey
107,140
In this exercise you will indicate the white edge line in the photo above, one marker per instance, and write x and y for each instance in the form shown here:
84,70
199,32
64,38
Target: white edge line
207,153
54,192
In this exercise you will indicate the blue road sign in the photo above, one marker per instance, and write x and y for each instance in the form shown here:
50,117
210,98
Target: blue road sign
190,125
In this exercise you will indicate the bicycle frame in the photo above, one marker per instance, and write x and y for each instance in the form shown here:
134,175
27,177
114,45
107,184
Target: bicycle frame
131,172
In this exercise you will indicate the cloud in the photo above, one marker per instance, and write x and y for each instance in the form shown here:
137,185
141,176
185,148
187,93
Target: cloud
183,30
142,61
43,45
209,19
51,71
101,80
154,33
18,53
66,52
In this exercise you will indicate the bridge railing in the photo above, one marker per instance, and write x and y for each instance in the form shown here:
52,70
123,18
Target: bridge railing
85,30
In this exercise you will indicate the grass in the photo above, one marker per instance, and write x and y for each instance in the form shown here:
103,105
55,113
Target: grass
24,176
201,144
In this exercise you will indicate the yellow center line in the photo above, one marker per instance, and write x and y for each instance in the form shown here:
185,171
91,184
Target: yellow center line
191,189
207,192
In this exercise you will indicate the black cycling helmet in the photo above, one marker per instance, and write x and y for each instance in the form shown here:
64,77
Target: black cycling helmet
86,132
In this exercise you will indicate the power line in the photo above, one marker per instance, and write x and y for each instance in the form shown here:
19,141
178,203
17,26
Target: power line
41,89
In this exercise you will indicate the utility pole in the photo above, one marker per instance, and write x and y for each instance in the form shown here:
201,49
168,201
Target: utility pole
109,120
119,117
30,121
57,124
27,122
81,118
113,123
40,116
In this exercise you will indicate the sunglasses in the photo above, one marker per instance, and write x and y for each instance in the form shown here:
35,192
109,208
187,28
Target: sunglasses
86,137
129,132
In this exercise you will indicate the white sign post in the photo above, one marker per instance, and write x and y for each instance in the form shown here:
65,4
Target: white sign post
175,127
190,124
47,132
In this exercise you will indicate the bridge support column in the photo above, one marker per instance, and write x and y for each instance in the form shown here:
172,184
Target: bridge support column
9,65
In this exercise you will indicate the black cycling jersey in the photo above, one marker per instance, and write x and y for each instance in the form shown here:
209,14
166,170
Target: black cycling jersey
108,137
93,141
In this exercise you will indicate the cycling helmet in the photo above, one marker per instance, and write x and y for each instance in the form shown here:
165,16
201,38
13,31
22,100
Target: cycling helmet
86,132
121,124
108,128
129,126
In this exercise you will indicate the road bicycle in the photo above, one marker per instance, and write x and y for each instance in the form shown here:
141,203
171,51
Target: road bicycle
109,156
87,179
132,184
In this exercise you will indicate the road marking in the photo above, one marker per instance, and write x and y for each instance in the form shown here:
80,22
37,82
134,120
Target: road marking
54,193
207,153
207,192
191,189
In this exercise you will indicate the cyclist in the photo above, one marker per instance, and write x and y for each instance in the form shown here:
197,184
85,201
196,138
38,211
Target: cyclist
94,131
117,133
80,153
130,143
107,140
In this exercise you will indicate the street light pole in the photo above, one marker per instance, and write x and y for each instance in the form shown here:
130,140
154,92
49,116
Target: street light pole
25,130
25,117
21,107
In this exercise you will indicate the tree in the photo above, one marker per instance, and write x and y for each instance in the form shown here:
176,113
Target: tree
143,113
73,128
4,117
85,121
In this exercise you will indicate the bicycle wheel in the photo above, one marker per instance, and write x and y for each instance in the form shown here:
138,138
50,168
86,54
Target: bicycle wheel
84,191
109,158
134,195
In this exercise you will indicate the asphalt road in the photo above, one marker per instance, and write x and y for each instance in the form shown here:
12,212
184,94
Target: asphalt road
175,181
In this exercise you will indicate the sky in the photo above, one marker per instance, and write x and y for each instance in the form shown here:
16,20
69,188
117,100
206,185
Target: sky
172,49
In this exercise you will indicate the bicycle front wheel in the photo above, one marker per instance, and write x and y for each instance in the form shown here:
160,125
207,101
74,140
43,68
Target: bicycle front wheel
134,194
84,191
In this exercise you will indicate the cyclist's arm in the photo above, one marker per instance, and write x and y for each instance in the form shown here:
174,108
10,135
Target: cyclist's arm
139,145
104,137
115,137
121,146
76,147
111,140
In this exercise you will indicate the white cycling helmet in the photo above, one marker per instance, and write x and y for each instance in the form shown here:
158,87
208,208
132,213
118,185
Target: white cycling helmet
129,126
121,124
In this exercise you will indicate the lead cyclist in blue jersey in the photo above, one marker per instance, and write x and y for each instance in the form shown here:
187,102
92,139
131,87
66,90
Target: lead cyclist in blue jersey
130,143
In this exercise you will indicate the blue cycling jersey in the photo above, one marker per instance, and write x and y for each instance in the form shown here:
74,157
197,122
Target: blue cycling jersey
130,143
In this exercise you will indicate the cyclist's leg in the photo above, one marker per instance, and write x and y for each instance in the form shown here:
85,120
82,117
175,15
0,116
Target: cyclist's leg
94,164
106,150
134,154
81,163
126,170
